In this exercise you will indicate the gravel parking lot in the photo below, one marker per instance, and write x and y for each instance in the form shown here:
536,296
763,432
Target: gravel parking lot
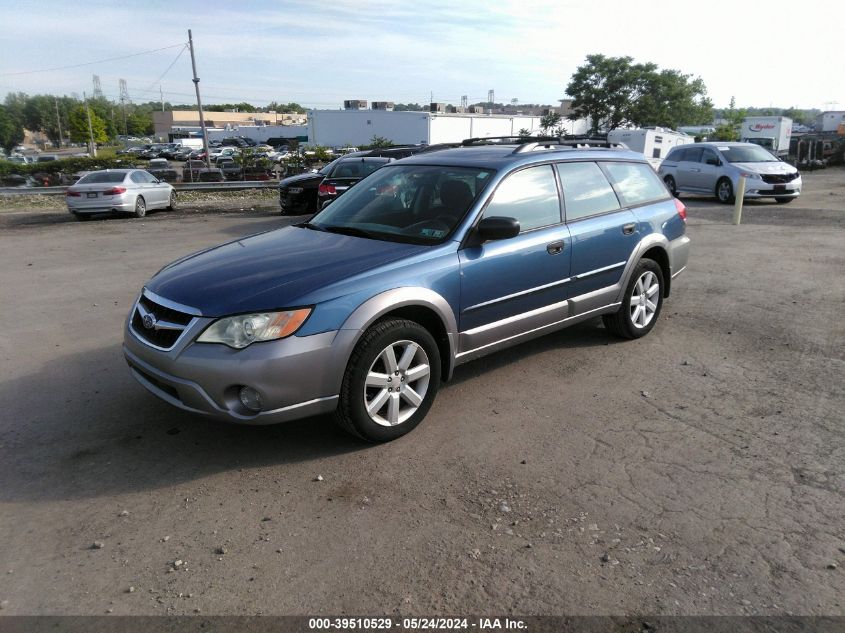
696,471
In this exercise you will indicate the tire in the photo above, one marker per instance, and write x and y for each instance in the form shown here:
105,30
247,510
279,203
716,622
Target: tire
172,205
140,207
725,191
630,322
671,186
784,200
368,379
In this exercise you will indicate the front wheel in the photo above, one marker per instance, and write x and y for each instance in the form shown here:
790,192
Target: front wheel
390,382
140,207
641,304
172,205
671,186
725,191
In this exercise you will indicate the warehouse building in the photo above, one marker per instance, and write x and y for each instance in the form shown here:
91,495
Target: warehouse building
830,121
357,125
174,124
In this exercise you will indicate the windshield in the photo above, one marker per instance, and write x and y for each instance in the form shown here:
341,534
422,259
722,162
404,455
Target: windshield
747,154
102,176
418,204
356,167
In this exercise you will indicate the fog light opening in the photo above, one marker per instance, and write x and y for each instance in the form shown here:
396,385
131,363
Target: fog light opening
251,399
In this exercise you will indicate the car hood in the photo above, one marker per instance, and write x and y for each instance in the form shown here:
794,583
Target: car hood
766,168
270,270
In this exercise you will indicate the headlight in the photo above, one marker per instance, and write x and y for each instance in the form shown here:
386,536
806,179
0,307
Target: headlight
240,331
751,175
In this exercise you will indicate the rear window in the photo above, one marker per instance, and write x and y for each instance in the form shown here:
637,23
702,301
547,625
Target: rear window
357,167
635,183
101,177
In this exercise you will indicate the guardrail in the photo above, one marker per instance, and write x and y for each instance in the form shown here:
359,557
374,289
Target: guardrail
235,185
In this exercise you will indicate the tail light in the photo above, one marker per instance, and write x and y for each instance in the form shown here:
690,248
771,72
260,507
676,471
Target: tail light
682,210
72,194
327,190
114,191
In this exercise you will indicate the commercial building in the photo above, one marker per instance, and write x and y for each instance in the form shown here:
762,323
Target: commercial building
173,124
830,121
357,126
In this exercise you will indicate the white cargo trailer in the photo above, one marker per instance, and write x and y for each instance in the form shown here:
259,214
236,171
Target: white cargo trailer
771,132
653,142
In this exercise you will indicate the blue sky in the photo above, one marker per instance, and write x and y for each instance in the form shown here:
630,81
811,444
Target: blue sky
319,53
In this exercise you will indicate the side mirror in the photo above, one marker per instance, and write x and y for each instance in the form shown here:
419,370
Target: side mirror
497,228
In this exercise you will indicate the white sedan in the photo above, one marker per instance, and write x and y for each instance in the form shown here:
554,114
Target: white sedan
132,191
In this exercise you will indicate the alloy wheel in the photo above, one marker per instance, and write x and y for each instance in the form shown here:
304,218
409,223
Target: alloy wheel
644,299
396,383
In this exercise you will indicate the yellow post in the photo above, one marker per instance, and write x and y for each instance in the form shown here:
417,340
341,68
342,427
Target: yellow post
739,195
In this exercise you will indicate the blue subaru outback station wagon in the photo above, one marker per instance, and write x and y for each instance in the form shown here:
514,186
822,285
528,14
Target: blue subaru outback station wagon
427,263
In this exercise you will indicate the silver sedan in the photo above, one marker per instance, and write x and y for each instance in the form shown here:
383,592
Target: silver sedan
132,191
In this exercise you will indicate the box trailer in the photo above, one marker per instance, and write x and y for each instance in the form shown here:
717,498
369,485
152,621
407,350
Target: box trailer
653,142
771,132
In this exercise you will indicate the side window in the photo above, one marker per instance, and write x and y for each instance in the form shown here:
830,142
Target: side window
530,196
692,154
709,155
585,190
137,177
636,183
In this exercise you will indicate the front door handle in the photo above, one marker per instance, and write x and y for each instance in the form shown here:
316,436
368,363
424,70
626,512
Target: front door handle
554,248
628,229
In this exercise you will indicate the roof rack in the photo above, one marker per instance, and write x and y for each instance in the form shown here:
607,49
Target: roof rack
534,143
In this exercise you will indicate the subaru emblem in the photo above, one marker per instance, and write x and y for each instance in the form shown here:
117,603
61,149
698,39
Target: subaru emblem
149,321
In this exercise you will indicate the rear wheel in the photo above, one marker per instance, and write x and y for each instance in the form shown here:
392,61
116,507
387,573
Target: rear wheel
641,304
390,382
172,205
140,207
784,200
725,191
671,186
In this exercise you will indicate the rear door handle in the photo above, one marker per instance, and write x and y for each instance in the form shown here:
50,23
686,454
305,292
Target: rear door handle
554,248
628,229
696,170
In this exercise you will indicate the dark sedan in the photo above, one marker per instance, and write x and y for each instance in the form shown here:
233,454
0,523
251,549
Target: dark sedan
345,173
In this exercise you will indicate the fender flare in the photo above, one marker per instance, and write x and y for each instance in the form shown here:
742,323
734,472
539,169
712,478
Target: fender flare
648,242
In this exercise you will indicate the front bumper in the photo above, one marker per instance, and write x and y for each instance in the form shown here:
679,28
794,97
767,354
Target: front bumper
297,377
760,189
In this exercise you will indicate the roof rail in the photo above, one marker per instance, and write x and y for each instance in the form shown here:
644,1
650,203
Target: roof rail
504,140
575,142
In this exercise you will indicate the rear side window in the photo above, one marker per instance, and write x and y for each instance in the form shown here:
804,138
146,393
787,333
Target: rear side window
530,196
636,183
586,191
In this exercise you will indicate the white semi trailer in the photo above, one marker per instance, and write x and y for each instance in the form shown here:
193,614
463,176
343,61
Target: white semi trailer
653,142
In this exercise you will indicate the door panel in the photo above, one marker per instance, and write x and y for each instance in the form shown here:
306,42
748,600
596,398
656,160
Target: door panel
686,174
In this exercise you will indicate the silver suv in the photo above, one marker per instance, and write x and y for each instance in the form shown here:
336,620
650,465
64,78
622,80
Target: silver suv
715,169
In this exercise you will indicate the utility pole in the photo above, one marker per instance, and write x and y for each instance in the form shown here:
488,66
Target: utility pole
90,127
161,95
196,81
59,123
124,97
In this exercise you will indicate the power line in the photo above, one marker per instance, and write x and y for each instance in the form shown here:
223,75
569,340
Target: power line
99,61
173,63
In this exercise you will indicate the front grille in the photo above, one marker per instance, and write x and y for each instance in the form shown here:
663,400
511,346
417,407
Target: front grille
776,192
774,179
158,335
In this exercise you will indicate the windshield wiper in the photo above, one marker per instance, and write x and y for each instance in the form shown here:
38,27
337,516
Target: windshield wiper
349,230
309,225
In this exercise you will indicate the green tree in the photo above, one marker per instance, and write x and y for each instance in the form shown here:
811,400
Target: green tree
78,126
729,130
11,129
380,141
550,123
614,91
524,133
